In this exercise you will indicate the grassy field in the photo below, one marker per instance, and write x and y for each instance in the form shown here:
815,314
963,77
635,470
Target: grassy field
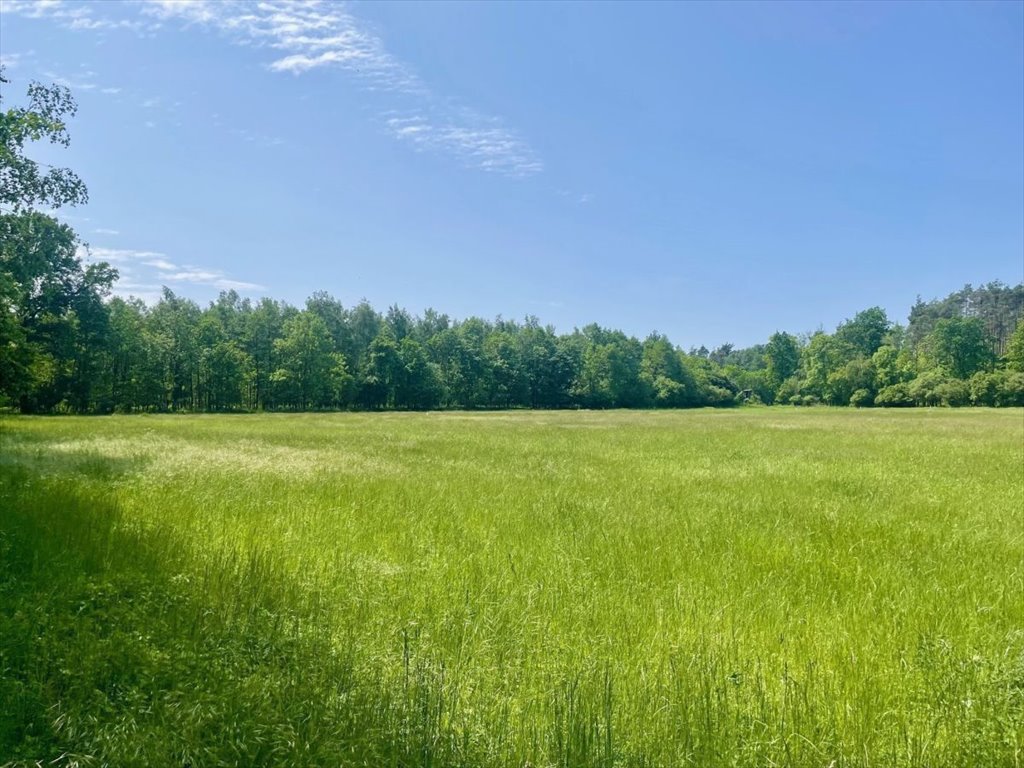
757,587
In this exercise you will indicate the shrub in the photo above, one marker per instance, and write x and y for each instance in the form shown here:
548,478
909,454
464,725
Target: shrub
924,389
862,398
1011,389
719,396
953,393
894,396
984,387
789,391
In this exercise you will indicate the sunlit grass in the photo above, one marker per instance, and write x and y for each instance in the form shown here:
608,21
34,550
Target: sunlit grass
721,588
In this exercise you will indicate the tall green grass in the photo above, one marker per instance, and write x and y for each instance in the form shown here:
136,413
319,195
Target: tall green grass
745,588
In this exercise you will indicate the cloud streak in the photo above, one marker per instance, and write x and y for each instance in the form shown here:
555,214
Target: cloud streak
315,35
478,141
71,15
309,34
9,60
116,255
82,82
306,35
214,278
143,273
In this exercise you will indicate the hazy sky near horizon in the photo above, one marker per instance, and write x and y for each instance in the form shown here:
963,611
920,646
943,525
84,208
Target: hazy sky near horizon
714,172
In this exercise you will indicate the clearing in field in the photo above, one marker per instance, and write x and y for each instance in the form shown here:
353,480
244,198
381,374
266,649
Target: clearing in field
730,588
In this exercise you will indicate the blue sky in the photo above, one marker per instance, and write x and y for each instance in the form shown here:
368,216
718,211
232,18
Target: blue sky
713,172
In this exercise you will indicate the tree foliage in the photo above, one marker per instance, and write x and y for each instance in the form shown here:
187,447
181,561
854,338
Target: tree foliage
54,322
25,183
782,355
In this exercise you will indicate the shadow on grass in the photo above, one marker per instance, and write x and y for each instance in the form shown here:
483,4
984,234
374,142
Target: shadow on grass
110,655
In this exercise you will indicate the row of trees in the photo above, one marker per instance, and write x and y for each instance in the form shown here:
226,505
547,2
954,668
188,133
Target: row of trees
66,345
239,355
952,352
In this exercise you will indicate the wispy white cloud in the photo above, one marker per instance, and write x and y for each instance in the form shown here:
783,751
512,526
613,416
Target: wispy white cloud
309,33
305,35
581,199
192,11
10,60
145,272
73,15
84,80
81,84
132,280
34,9
316,35
88,22
116,255
62,214
104,231
410,126
478,141
214,278
259,139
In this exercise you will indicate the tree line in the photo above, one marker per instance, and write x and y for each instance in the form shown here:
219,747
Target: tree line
66,345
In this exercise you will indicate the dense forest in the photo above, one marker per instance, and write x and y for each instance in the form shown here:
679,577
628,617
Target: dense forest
67,346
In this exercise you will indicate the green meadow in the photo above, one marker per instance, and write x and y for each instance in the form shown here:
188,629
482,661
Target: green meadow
747,587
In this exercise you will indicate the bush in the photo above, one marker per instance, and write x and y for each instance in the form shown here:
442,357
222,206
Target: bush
862,398
924,389
984,388
789,391
719,396
1011,389
953,393
894,396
